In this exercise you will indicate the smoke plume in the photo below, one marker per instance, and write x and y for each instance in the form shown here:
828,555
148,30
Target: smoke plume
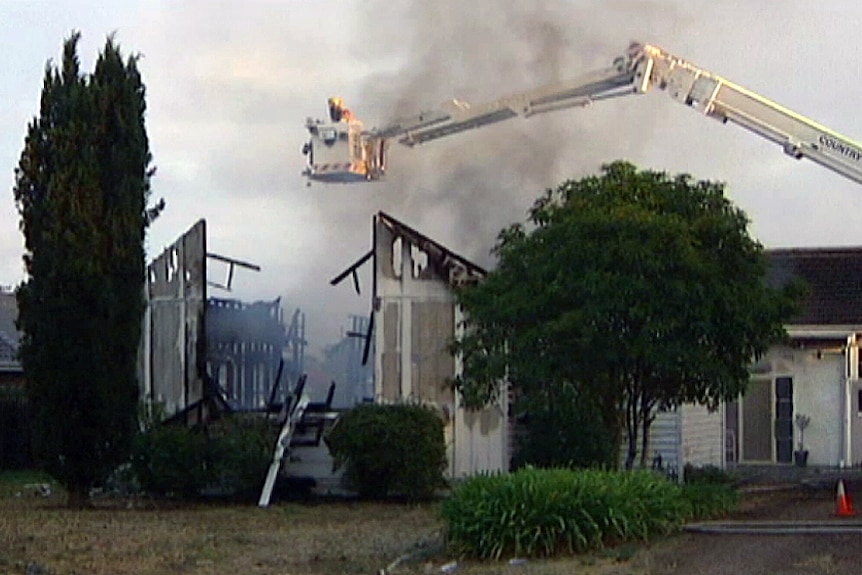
462,190
465,188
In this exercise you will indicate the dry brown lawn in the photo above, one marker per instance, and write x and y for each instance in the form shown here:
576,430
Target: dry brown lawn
38,535
237,539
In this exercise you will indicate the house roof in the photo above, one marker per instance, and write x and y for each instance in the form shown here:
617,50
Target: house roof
9,335
833,278
458,268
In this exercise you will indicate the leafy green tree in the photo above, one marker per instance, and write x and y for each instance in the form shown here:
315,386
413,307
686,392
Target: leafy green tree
81,189
561,428
641,290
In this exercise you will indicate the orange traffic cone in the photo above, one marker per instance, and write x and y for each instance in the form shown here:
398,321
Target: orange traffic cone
843,503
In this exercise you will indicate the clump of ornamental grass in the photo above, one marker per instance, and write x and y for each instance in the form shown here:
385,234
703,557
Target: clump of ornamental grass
544,512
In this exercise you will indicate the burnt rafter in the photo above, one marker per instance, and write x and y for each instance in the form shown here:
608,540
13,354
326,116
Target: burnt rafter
351,271
232,263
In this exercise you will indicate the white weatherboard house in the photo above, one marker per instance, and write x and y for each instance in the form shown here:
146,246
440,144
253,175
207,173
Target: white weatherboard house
688,435
415,317
815,374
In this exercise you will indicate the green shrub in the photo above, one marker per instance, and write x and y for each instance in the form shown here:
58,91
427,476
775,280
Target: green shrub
230,458
239,453
535,512
710,500
171,460
390,450
707,474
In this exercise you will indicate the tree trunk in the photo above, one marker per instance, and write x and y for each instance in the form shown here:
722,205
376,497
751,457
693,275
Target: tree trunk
78,497
645,421
633,450
631,429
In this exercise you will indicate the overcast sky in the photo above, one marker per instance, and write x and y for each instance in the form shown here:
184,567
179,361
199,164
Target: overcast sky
230,83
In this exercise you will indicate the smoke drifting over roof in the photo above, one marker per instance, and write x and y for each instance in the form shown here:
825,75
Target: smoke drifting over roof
462,190
467,187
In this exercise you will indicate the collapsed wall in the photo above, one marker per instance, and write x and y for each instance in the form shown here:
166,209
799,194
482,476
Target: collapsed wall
200,353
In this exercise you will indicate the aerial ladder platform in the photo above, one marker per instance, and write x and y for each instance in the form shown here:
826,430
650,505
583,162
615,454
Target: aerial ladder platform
340,150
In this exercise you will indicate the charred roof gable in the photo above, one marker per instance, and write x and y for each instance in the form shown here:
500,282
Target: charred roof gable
447,263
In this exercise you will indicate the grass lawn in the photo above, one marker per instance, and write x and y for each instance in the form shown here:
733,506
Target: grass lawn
141,537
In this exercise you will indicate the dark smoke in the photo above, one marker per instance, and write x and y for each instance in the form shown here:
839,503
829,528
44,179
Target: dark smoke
465,188
462,190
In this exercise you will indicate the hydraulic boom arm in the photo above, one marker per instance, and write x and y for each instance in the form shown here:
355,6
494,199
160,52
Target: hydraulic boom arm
608,83
641,68
725,101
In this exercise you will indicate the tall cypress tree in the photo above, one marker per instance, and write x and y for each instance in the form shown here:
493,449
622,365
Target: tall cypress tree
81,188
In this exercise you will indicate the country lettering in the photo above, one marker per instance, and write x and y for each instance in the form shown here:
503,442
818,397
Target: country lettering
840,147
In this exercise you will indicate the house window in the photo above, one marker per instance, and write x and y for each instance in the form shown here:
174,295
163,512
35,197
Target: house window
859,402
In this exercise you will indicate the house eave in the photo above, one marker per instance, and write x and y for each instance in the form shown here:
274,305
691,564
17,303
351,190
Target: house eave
823,331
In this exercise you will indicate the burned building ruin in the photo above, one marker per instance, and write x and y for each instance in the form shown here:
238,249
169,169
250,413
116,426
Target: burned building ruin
202,353
349,359
251,355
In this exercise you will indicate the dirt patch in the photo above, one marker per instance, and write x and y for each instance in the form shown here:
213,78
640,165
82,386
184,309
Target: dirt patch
760,554
789,503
